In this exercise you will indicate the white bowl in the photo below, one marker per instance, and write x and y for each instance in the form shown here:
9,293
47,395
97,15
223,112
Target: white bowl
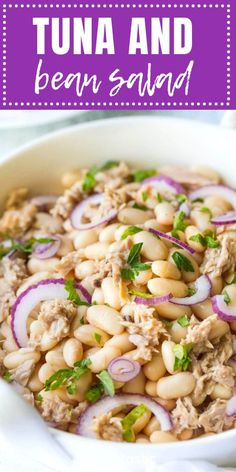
148,142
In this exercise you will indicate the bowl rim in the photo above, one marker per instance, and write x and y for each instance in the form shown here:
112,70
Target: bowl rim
109,122
106,123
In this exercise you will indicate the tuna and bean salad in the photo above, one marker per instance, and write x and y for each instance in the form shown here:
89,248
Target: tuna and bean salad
118,302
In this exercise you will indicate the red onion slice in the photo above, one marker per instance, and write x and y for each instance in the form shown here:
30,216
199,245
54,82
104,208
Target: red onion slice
228,218
153,300
122,369
162,183
203,290
173,240
227,193
44,200
44,251
78,211
225,312
106,404
48,289
231,406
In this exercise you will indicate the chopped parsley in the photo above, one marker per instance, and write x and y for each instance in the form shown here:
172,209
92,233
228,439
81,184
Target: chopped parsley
107,382
105,385
183,321
73,295
39,398
144,196
140,207
97,337
130,231
206,210
182,262
94,393
109,165
181,198
7,376
179,224
68,377
129,420
141,175
135,265
167,323
159,198
191,291
207,240
137,293
182,358
227,298
89,179
198,200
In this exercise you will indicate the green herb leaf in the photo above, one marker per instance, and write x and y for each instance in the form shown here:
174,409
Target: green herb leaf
144,196
198,238
227,298
167,323
183,321
182,262
198,200
97,337
7,376
191,291
134,253
107,382
94,393
129,420
137,293
206,210
212,242
127,274
179,224
73,295
109,165
68,376
89,179
39,398
130,231
141,175
175,234
140,207
182,358
181,198
159,198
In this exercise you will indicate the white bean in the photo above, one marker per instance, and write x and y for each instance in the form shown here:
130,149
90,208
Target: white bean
98,296
136,385
161,286
111,293
154,369
42,265
162,437
45,372
166,269
107,234
96,251
85,238
133,216
152,248
173,312
167,350
91,336
105,318
176,386
165,213
16,358
101,358
72,351
122,342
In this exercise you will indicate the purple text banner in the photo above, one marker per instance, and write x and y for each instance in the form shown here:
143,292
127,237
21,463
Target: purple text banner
119,55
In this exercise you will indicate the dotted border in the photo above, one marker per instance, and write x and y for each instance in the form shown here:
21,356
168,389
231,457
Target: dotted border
109,103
